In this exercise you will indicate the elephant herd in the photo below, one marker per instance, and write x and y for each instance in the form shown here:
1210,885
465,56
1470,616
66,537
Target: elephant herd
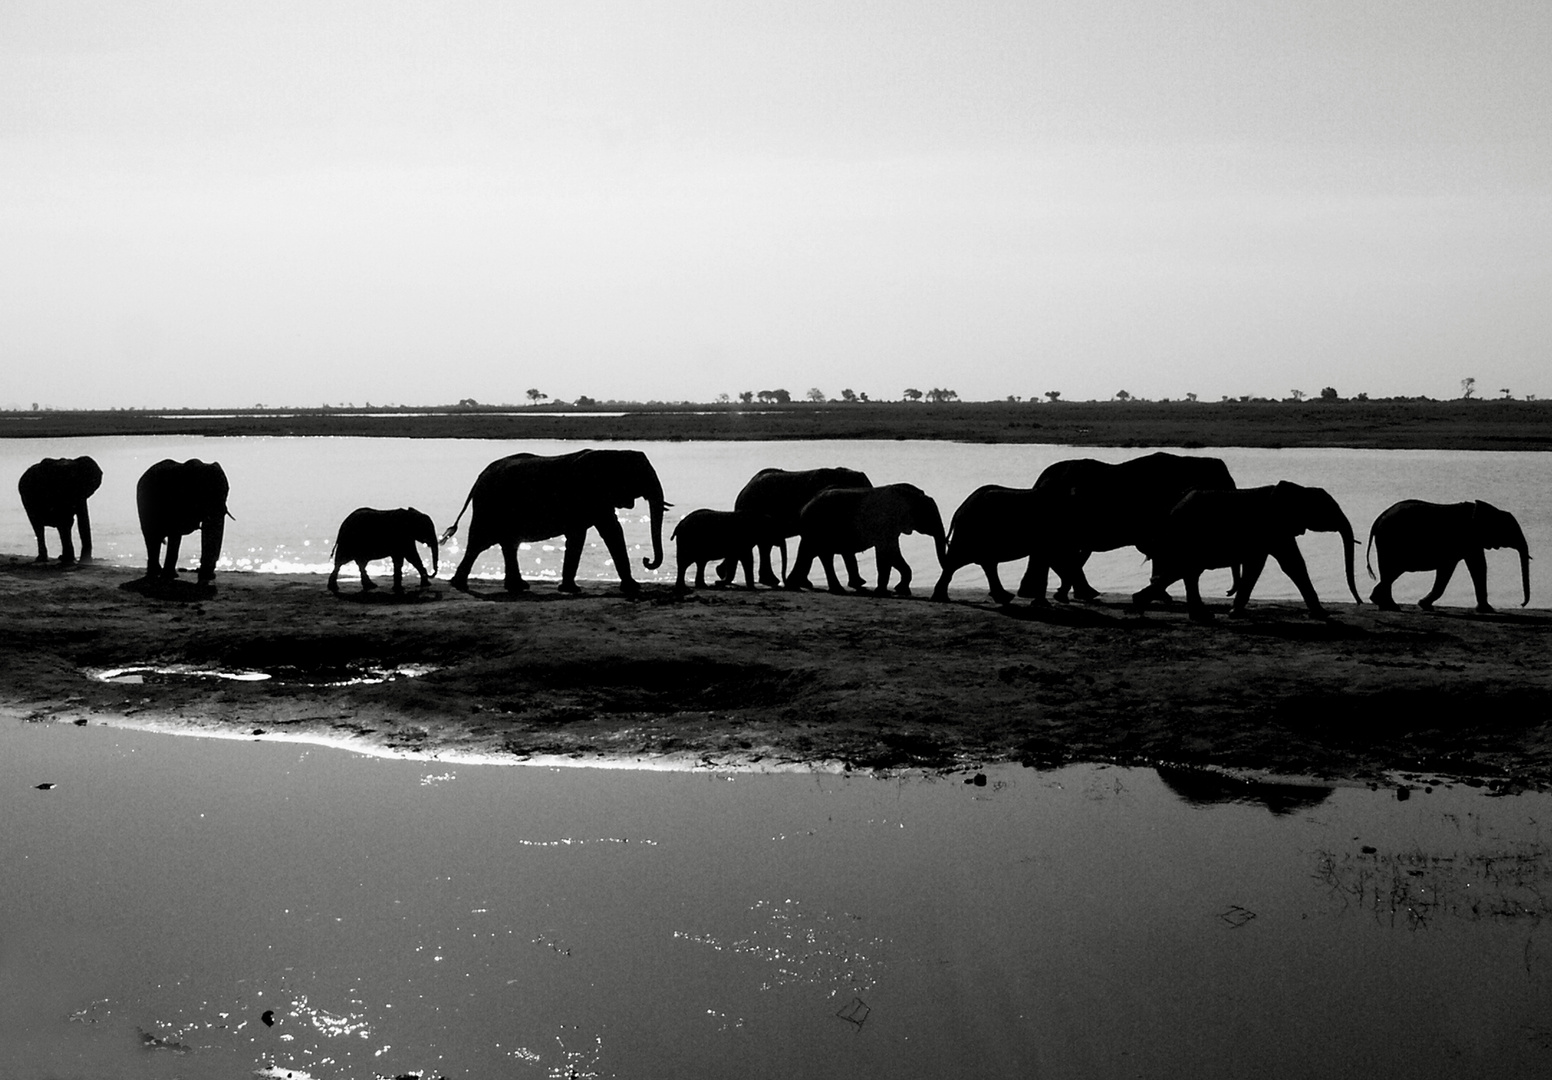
1185,514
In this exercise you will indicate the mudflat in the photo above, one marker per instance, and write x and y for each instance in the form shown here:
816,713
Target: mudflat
774,679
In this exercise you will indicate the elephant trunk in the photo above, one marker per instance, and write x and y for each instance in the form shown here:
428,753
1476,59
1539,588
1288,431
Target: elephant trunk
433,546
1345,527
1525,570
211,533
656,503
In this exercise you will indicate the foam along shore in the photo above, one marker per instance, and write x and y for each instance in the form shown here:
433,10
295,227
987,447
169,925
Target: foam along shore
776,680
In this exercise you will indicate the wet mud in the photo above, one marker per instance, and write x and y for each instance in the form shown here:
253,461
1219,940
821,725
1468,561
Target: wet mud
778,680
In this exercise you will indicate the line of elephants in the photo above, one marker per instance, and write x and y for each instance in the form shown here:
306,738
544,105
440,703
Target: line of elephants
1184,513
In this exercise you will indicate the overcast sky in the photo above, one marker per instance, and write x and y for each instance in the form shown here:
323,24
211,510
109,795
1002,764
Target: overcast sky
295,203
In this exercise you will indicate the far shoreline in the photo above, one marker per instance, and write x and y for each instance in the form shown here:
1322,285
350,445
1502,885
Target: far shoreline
1391,424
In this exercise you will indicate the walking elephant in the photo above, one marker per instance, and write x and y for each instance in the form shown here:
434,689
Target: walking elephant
845,521
781,494
993,525
1209,529
1417,535
54,493
1094,506
703,535
368,534
174,498
527,497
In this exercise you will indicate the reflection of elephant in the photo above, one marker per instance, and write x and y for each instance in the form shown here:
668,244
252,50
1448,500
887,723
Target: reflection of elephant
1205,787
368,534
54,494
703,535
994,525
1097,506
781,495
1416,535
527,497
1209,529
844,521
175,498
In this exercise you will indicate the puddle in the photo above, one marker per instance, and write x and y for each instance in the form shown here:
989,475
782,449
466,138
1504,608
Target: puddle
180,907
185,673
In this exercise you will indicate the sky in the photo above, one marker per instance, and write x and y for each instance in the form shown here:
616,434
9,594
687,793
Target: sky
221,205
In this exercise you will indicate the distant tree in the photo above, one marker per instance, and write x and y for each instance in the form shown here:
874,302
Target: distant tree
938,395
723,399
468,403
1122,395
746,396
1364,396
1054,395
1506,395
1296,395
863,397
585,402
912,394
815,394
1014,398
1190,397
1328,393
848,394
1468,387
780,397
536,396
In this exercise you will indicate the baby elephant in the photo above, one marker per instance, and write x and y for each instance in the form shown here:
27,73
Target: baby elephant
703,536
384,534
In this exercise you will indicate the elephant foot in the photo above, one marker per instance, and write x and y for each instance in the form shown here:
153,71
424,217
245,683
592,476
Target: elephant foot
1384,603
41,558
770,581
1485,609
940,595
628,586
459,583
517,586
571,587
333,586
902,589
1320,614
1426,604
1085,596
1201,615
837,590
368,586
856,584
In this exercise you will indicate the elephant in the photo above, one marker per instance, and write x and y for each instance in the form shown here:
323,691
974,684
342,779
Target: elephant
54,493
781,495
368,534
529,497
844,521
1097,506
703,535
995,524
174,498
1417,535
1221,528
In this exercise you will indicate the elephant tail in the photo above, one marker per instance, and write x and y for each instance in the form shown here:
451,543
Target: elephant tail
1367,552
453,528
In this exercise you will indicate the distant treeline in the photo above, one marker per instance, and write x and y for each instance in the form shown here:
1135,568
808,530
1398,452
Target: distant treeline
1390,423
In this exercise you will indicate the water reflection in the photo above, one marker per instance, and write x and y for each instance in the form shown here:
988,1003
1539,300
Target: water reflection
1205,787
183,907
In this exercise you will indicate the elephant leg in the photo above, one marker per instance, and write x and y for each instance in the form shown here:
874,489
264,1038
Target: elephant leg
614,539
1250,573
512,577
476,546
84,523
994,582
1441,580
170,562
726,569
37,529
1291,560
572,559
153,555
366,582
747,561
413,557
883,562
1162,579
767,574
1195,609
831,580
940,590
1035,581
1380,596
904,588
853,575
334,577
1074,579
797,575
398,573
1476,566
700,574
66,545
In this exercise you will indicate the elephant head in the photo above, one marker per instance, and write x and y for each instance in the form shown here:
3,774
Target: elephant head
1312,509
926,519
1495,528
636,478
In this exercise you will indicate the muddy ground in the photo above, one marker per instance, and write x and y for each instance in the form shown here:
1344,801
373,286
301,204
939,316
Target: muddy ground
777,679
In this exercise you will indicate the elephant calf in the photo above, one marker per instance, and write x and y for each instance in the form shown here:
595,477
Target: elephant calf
369,534
704,535
844,521
1417,535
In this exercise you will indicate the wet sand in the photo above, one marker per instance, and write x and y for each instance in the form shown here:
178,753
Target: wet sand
776,680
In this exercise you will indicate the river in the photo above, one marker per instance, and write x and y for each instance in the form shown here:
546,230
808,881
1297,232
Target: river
290,494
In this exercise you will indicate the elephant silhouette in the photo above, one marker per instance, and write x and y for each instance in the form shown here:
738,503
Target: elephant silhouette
368,534
1416,535
845,521
174,498
54,493
703,535
781,494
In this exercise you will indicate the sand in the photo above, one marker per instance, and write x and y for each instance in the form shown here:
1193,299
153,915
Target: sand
778,680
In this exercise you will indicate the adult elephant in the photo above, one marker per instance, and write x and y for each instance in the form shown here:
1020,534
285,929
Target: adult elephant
54,493
781,494
1091,506
1417,535
529,497
845,521
174,498
368,534
1208,529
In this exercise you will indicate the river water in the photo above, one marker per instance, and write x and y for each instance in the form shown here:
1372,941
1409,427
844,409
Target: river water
192,907
290,494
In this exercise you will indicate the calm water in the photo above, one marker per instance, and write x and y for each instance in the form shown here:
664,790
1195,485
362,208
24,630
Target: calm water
289,495
482,921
